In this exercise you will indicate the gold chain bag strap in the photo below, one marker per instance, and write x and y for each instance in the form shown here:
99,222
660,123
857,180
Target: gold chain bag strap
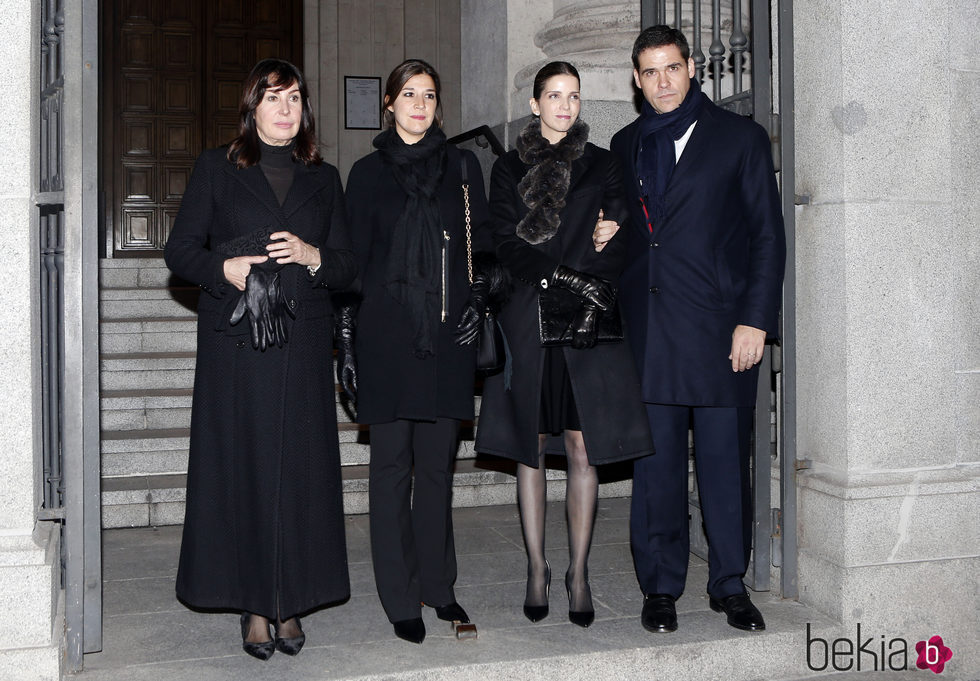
491,351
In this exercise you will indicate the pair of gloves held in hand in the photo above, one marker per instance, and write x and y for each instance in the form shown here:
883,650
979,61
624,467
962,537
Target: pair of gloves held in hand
596,293
263,301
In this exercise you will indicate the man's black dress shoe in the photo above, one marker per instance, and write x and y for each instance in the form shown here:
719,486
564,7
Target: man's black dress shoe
293,644
452,613
412,630
659,614
263,650
741,613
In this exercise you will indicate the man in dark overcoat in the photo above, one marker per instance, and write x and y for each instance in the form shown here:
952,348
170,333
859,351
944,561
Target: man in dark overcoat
700,295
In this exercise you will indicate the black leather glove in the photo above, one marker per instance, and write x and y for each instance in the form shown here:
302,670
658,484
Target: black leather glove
255,302
278,310
345,325
583,327
590,289
468,329
264,303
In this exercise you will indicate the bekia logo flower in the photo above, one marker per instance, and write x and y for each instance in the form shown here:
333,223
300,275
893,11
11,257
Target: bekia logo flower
933,654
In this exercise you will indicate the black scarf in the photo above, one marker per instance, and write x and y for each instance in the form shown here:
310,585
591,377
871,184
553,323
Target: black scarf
656,156
413,271
545,185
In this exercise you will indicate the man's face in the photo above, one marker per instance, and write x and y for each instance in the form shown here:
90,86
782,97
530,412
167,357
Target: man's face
663,76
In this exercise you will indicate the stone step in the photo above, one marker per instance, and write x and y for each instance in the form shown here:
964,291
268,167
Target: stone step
136,273
145,409
147,370
153,500
165,334
143,303
164,450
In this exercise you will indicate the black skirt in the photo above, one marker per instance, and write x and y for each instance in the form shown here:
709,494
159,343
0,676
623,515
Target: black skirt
558,410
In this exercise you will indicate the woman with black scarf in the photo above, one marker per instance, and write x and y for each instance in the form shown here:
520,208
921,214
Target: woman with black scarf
412,382
581,399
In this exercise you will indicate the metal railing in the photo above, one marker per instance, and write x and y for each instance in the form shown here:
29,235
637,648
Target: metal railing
50,202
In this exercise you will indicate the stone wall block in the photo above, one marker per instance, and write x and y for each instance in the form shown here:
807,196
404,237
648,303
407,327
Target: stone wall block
817,85
901,308
821,313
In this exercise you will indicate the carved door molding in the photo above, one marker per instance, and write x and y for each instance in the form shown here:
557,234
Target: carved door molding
172,79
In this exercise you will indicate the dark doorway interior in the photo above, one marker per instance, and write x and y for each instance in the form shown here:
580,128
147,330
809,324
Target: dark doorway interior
172,76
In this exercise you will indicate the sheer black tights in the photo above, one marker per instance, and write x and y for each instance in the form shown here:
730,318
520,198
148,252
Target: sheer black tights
581,497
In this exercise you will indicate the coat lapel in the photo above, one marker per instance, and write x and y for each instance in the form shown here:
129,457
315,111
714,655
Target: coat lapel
306,183
253,179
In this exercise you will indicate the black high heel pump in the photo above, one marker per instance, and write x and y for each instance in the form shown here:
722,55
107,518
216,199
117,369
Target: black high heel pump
263,650
536,613
293,644
582,618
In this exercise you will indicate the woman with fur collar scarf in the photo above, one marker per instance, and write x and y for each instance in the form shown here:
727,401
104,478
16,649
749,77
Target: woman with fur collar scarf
583,399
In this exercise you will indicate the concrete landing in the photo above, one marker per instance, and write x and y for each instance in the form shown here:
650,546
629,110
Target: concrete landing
150,636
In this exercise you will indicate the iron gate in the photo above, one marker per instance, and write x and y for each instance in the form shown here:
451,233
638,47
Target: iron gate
66,218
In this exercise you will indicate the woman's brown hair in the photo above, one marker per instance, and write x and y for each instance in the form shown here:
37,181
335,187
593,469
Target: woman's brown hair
274,74
396,81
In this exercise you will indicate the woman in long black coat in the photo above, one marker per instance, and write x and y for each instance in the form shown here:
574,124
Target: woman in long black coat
262,230
545,199
406,209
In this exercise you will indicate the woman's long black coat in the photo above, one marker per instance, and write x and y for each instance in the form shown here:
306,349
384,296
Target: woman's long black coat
392,382
603,378
264,498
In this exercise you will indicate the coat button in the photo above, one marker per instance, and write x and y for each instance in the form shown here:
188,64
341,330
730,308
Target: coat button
240,344
292,304
655,245
654,289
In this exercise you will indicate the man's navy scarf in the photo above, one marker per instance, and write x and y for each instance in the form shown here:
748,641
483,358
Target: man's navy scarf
656,156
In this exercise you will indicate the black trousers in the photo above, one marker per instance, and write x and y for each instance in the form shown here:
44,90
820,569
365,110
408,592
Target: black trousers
412,533
659,514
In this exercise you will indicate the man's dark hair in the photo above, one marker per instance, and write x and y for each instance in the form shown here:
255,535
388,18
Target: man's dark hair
658,36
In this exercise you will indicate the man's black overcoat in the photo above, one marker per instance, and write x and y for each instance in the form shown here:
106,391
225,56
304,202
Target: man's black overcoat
264,499
603,378
715,261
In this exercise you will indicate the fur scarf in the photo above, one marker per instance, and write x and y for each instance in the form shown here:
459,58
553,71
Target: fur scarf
545,185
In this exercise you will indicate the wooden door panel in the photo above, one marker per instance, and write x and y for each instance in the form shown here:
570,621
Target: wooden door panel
177,68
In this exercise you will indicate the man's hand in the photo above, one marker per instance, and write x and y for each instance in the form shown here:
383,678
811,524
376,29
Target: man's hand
748,343
603,232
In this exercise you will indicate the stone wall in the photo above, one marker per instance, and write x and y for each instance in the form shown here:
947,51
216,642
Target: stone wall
888,327
28,550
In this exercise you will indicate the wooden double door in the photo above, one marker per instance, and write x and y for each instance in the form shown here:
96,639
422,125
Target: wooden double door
172,81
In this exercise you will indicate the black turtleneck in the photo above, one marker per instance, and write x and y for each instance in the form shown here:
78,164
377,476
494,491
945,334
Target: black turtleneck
278,166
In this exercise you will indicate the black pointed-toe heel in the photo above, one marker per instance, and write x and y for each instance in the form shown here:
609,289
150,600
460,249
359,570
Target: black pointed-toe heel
412,630
582,618
452,613
536,613
262,651
293,644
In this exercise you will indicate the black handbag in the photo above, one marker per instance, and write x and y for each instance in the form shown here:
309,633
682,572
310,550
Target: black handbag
491,346
557,308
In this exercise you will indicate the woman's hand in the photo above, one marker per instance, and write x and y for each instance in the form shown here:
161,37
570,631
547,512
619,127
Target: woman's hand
603,232
287,248
237,269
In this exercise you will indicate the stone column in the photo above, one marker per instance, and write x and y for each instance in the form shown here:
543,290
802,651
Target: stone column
597,37
888,319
